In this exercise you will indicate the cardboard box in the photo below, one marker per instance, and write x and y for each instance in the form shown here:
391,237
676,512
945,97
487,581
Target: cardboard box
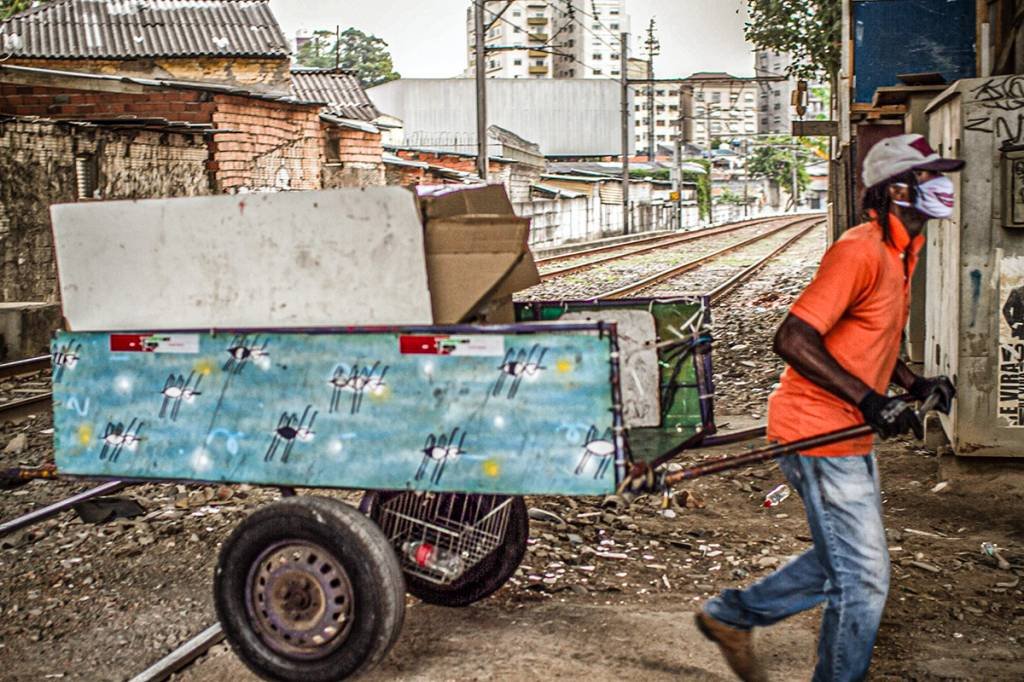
446,201
477,255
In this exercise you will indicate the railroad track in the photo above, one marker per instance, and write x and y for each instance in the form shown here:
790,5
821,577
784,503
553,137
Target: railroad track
651,281
645,245
21,407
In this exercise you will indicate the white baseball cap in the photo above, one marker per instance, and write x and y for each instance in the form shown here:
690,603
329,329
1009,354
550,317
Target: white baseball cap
895,155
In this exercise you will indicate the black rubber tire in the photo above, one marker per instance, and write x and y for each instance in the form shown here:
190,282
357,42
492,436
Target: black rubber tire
481,580
378,587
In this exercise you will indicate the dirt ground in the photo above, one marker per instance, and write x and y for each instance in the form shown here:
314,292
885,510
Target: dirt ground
604,593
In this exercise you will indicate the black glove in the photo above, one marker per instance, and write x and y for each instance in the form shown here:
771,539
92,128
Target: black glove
923,387
890,417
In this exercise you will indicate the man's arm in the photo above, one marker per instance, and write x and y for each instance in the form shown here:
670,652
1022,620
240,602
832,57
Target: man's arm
902,376
803,349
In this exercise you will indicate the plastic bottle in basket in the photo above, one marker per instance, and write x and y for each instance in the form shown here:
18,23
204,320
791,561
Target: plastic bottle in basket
776,496
426,555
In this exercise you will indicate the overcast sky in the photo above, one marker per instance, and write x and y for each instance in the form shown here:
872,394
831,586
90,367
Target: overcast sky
427,37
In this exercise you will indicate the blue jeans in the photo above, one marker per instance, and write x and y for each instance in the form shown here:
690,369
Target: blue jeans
847,569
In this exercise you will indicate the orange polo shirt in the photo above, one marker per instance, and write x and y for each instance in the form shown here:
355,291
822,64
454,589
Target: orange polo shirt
858,301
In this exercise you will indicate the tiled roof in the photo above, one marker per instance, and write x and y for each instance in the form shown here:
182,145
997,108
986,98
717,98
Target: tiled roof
119,29
341,90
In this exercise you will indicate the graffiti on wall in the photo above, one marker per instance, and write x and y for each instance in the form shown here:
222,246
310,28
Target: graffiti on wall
1010,411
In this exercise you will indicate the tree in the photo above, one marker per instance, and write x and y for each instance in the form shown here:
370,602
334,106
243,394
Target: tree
318,51
366,55
774,160
809,30
9,8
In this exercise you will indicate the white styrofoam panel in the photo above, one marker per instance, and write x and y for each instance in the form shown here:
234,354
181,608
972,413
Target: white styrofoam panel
639,371
290,259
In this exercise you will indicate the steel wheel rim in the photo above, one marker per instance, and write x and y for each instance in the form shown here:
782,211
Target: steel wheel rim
300,598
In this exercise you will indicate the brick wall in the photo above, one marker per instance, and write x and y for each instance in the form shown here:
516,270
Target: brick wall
276,146
255,74
353,157
496,171
273,145
37,165
193,106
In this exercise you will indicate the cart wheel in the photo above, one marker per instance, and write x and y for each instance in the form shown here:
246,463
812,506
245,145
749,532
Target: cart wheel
485,577
308,588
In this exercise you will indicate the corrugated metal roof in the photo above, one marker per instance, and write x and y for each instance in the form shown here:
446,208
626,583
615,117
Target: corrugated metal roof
120,29
339,88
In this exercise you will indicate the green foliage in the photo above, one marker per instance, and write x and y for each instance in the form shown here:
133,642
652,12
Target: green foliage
318,51
703,181
822,93
729,197
648,174
809,30
12,7
366,55
774,162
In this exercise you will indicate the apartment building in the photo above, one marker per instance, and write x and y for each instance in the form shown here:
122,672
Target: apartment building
667,108
724,107
523,37
587,32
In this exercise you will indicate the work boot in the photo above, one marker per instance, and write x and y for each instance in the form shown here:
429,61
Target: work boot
736,645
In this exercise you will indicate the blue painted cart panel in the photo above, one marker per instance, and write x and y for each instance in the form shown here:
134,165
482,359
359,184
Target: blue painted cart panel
474,411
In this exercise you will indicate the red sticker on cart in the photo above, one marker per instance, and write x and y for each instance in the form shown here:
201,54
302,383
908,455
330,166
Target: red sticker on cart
437,344
154,343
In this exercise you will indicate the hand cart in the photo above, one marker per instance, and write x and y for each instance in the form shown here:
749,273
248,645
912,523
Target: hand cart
445,427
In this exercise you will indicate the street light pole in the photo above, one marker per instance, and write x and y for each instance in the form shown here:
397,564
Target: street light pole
481,89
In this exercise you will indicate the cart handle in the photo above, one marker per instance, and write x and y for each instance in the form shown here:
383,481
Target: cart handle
643,478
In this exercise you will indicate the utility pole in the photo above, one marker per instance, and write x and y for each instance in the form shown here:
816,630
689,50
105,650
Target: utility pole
624,97
653,48
481,89
746,176
796,192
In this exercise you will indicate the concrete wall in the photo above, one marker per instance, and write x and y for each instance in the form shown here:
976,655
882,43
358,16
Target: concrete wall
37,167
559,221
252,73
565,116
975,267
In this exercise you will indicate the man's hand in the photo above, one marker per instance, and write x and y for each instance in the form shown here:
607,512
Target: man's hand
941,385
890,417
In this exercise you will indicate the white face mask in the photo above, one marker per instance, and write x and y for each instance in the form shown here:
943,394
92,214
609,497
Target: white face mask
934,198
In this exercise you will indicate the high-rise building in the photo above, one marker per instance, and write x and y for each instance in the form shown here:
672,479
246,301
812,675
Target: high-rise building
588,37
540,39
773,98
724,107
668,113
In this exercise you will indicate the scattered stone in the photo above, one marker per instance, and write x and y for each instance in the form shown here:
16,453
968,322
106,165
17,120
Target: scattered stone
16,445
939,487
544,516
924,566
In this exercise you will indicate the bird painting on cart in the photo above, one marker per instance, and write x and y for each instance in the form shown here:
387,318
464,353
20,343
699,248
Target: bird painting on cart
243,350
179,389
65,357
517,365
118,437
602,449
358,381
441,449
291,428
